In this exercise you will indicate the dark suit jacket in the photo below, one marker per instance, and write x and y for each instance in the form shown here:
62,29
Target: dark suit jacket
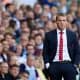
50,46
6,77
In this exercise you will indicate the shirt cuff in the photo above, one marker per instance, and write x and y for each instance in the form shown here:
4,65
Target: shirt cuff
47,65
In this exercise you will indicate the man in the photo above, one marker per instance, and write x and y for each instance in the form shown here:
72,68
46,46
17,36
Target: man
4,71
14,72
24,75
30,67
61,51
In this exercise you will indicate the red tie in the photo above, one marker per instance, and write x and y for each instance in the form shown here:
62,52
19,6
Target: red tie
61,47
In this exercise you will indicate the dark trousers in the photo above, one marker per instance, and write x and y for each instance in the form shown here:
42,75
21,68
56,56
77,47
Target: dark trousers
65,69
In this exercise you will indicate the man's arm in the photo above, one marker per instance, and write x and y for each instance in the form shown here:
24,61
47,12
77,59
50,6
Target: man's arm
46,51
76,50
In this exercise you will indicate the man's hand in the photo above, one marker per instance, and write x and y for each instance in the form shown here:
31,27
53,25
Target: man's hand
47,65
77,68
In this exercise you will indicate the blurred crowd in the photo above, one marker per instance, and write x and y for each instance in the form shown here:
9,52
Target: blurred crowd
22,31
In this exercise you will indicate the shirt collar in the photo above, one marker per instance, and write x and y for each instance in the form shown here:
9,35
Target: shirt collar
58,31
30,68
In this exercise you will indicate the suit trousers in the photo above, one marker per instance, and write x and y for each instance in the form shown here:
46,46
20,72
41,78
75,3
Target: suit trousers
67,70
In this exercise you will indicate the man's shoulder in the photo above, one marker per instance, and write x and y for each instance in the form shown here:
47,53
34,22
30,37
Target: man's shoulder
51,32
71,32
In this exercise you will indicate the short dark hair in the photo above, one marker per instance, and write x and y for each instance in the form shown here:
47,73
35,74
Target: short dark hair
38,34
12,23
8,4
61,14
30,45
8,33
14,65
25,71
23,20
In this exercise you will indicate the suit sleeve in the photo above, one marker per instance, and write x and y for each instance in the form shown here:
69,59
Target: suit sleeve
46,49
76,50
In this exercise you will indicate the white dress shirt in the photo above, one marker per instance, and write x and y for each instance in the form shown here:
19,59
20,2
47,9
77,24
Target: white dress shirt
65,49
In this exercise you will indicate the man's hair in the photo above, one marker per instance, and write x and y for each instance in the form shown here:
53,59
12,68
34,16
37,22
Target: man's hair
3,62
8,33
61,14
38,34
14,65
25,71
8,4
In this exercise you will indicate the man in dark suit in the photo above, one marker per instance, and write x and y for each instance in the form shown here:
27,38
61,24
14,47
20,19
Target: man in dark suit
61,51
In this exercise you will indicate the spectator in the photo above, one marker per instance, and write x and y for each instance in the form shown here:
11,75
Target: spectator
10,7
63,8
24,75
37,10
14,72
42,32
39,44
38,66
30,49
20,55
30,67
49,25
13,60
4,71
3,56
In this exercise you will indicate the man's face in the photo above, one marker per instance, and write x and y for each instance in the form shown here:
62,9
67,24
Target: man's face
54,10
62,22
9,39
30,61
5,46
37,8
19,50
4,68
38,40
24,40
30,49
13,60
11,8
14,71
19,14
24,76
